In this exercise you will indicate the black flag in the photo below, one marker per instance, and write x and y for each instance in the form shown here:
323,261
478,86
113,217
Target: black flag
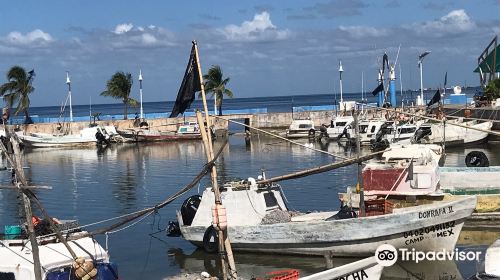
378,89
189,86
435,99
385,62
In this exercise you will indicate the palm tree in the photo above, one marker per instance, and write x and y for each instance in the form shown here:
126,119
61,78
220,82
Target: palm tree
18,87
119,87
216,84
492,91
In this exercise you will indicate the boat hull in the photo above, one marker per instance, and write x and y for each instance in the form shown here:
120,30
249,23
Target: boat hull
426,228
154,136
165,137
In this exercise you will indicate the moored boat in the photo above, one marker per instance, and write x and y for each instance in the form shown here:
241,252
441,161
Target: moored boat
339,127
366,269
428,227
453,135
87,136
16,259
185,131
301,129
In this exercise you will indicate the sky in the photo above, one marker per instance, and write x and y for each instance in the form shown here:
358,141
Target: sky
267,48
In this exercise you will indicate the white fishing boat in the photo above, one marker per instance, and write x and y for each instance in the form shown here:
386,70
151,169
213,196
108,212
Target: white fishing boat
87,136
251,226
432,133
16,259
301,129
390,132
366,269
185,131
339,126
368,129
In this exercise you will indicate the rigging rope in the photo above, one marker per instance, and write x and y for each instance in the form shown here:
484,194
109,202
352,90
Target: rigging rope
132,216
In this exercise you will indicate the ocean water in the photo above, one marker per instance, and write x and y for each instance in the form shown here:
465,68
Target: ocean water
273,104
90,185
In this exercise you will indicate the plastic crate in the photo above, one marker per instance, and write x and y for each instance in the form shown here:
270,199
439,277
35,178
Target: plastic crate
378,207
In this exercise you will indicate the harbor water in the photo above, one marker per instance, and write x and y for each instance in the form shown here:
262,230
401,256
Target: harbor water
92,185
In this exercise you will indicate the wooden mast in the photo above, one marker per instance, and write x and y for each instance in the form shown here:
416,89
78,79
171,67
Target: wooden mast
360,166
207,140
17,169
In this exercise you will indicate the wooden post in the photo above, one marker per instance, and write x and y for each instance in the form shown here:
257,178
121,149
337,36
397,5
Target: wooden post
360,166
27,207
223,239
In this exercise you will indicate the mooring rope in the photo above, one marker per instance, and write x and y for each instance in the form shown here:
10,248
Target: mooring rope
282,138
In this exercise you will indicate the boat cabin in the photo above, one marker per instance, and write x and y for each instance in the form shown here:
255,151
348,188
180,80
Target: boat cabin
301,128
235,196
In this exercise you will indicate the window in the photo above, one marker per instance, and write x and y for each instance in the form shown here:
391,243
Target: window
7,276
304,125
270,200
406,130
363,128
373,128
340,123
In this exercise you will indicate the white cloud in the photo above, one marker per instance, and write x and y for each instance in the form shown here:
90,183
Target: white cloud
259,29
123,28
35,36
362,31
148,39
456,21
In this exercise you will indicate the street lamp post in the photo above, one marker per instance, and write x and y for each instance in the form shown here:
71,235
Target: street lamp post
140,93
420,59
68,82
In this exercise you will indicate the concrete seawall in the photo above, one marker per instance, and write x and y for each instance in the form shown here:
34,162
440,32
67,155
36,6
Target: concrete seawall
268,121
263,121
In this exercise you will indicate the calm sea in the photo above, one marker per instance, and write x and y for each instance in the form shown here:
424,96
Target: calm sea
273,104
90,185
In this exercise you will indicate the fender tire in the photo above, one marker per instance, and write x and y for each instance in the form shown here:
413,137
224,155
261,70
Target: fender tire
476,159
312,132
210,247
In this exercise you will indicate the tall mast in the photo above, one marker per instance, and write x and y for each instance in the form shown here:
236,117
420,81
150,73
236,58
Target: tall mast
68,82
340,73
140,93
362,85
400,85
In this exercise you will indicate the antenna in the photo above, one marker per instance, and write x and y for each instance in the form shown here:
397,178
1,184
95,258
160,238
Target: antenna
401,85
397,55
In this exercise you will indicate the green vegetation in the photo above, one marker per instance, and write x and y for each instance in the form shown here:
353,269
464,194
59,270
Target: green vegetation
119,87
492,90
216,84
17,89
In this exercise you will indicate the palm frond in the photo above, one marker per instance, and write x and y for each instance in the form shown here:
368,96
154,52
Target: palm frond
228,92
132,102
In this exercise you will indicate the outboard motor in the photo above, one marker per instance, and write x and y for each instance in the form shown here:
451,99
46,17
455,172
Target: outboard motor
420,134
189,208
379,143
101,139
173,229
